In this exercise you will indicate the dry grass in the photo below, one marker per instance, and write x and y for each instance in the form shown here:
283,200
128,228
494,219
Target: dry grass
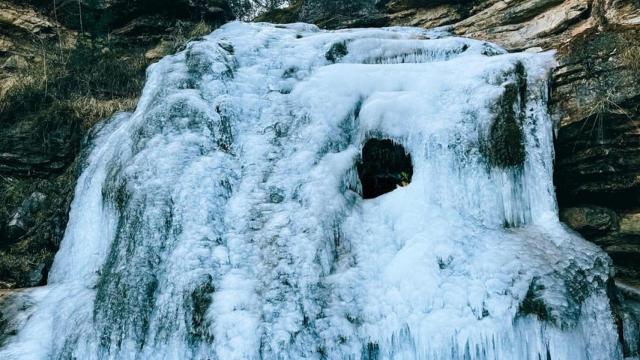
631,58
183,33
91,110
603,106
200,29
84,84
86,81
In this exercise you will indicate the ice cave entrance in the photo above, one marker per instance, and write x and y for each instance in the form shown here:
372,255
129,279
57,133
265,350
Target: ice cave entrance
384,166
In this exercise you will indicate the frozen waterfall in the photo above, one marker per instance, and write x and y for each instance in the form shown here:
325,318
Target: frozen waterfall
223,219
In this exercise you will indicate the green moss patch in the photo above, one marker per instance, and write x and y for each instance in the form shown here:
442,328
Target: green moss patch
336,52
504,147
533,304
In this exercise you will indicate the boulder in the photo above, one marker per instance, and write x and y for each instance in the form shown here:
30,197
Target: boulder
15,62
590,220
22,19
630,224
24,218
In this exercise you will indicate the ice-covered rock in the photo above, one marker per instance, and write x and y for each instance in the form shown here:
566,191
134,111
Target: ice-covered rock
223,218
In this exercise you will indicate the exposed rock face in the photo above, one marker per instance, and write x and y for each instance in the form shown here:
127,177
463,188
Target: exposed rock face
524,24
505,147
590,220
37,147
597,102
597,95
339,14
108,15
627,299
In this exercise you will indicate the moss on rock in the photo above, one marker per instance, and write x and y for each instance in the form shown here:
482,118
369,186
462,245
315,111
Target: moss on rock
504,145
336,52
533,304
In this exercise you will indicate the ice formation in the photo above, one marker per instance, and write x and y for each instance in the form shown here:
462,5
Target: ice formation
222,219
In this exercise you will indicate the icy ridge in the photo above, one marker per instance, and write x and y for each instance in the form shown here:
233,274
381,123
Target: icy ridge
222,220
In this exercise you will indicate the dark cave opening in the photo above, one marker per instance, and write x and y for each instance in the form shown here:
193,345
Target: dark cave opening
384,166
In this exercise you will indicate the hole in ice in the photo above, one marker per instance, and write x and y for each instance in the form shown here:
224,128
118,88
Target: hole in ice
384,166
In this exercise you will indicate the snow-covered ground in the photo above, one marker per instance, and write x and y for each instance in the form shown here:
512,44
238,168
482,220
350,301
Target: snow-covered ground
221,219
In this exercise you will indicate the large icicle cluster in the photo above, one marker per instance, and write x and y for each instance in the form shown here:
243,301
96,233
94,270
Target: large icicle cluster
223,218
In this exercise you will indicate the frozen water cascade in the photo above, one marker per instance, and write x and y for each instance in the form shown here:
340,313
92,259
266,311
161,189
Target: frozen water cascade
222,219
